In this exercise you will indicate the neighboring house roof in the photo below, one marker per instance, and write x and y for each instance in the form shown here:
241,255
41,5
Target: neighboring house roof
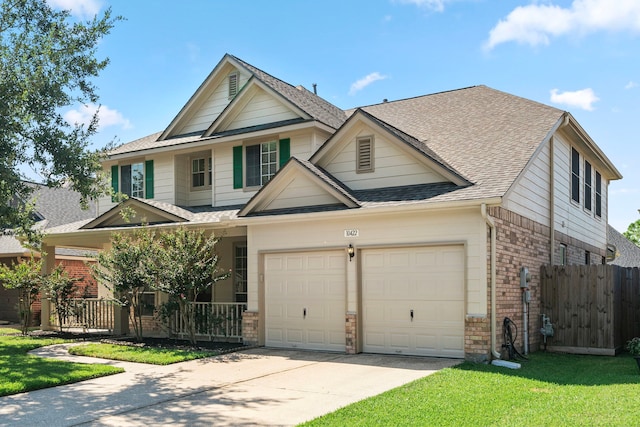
628,254
56,206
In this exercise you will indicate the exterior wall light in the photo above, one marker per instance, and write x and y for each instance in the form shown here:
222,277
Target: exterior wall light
351,251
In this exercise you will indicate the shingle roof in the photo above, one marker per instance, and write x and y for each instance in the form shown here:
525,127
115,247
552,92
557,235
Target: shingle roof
57,206
488,136
629,253
316,107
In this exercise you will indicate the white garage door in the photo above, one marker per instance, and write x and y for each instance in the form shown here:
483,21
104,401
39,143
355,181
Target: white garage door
413,301
305,300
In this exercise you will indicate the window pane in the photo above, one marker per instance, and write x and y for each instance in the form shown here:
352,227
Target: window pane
252,177
125,179
587,185
575,175
137,180
197,173
598,194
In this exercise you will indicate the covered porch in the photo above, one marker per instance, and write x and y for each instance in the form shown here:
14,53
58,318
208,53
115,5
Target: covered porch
218,311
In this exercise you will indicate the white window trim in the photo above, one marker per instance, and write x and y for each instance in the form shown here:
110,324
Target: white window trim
580,199
245,159
120,176
589,210
207,172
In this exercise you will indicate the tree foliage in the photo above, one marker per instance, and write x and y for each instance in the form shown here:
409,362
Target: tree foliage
128,269
47,63
26,277
189,266
633,232
60,289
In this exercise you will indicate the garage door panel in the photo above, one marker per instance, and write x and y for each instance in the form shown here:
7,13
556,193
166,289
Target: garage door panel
427,280
313,300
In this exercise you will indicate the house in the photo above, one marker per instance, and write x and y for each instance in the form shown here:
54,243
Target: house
402,227
53,207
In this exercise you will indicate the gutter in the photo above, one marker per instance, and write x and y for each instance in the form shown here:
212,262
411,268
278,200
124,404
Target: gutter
492,227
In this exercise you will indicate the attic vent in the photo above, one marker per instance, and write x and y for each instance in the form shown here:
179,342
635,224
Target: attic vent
233,84
364,153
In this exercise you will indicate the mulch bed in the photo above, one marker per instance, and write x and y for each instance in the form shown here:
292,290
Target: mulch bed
168,343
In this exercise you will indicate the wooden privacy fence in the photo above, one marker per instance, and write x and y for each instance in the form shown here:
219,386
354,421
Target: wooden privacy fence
594,309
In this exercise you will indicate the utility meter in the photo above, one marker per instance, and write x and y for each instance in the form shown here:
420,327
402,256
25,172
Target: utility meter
525,277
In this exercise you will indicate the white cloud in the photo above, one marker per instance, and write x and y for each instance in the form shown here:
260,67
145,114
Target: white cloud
83,9
365,81
584,98
437,5
631,85
536,23
106,116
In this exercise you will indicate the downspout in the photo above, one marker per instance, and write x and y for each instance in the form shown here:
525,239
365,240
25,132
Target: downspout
552,204
492,273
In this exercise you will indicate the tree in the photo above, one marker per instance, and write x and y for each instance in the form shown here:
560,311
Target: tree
128,269
633,232
189,267
26,277
47,63
60,289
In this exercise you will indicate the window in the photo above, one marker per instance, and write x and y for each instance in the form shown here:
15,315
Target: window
254,165
364,154
598,194
234,80
240,273
563,254
132,180
575,175
587,185
147,303
587,257
262,162
200,177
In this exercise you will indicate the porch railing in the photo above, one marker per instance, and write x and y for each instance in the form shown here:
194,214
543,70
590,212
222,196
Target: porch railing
88,314
213,321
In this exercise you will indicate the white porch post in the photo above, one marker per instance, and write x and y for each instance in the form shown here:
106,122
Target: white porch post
48,254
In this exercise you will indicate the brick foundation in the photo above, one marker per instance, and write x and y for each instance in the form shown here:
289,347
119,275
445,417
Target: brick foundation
351,331
250,325
477,333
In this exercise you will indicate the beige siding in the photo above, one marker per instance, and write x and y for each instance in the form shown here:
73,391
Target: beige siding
182,180
530,196
393,166
262,108
417,228
211,107
302,191
570,217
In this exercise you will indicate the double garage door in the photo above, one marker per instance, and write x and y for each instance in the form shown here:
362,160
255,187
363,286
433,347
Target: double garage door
412,300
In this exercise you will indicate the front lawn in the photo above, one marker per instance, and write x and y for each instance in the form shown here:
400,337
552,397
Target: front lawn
152,355
21,372
550,389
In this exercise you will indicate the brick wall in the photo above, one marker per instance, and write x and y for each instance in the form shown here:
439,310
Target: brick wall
86,285
520,242
250,326
351,331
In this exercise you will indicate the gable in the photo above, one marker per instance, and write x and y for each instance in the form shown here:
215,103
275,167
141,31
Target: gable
298,185
255,105
136,213
365,156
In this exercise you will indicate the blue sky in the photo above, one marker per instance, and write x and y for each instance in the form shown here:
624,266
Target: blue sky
581,56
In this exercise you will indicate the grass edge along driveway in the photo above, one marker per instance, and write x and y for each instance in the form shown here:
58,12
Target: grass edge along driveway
549,389
20,372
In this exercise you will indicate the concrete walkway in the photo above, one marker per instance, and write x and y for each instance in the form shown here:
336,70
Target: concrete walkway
251,387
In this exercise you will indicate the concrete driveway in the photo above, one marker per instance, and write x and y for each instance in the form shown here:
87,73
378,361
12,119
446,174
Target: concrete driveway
251,387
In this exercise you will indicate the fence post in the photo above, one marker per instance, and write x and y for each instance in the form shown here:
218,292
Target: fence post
120,319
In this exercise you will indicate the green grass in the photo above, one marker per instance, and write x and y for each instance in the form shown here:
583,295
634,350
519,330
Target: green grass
152,355
550,389
21,372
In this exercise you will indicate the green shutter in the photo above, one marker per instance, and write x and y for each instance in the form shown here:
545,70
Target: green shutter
114,182
148,179
237,166
285,150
